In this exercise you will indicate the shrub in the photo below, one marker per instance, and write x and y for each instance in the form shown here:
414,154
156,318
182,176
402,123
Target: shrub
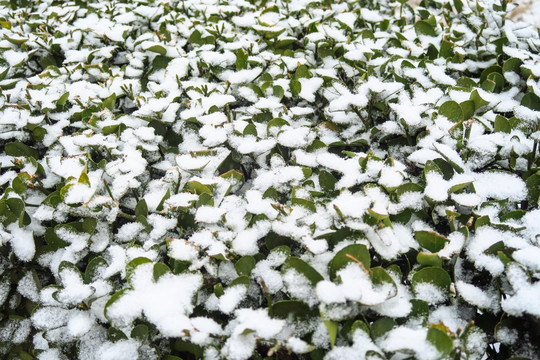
250,179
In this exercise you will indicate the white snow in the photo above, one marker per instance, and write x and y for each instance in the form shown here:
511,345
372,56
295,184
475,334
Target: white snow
22,242
166,303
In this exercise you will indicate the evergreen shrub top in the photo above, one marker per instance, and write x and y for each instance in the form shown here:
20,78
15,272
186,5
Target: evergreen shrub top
268,180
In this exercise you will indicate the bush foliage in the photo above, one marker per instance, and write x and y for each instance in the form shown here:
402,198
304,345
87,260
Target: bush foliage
304,179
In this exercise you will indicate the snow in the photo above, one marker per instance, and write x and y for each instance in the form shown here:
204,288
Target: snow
209,214
297,345
309,87
74,291
299,287
79,324
232,298
178,120
429,292
528,256
22,242
407,111
120,350
129,231
519,302
28,287
363,290
484,238
500,186
414,340
180,249
476,296
173,293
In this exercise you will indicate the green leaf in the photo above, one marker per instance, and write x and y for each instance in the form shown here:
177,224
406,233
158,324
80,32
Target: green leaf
62,100
533,185
241,280
423,27
327,181
47,60
428,259
458,4
442,342
296,87
14,41
379,276
458,187
284,43
489,85
466,82
140,333
408,187
332,328
114,298
447,49
109,102
276,122
250,129
498,79
93,269
160,62
489,70
302,72
89,225
431,166
114,334
219,290
245,265
132,265
241,59
157,49
452,111
14,206
468,108
531,100
186,346
278,91
430,240
141,209
111,129
233,175
360,325
83,178
171,357
433,275
478,101
5,24
306,204
381,326
447,167
195,38
512,65
163,199
159,270
352,253
502,124
375,218
420,309
303,268
199,188
298,309
19,184
17,148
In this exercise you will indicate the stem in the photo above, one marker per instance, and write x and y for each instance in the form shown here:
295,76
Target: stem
108,188
532,158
